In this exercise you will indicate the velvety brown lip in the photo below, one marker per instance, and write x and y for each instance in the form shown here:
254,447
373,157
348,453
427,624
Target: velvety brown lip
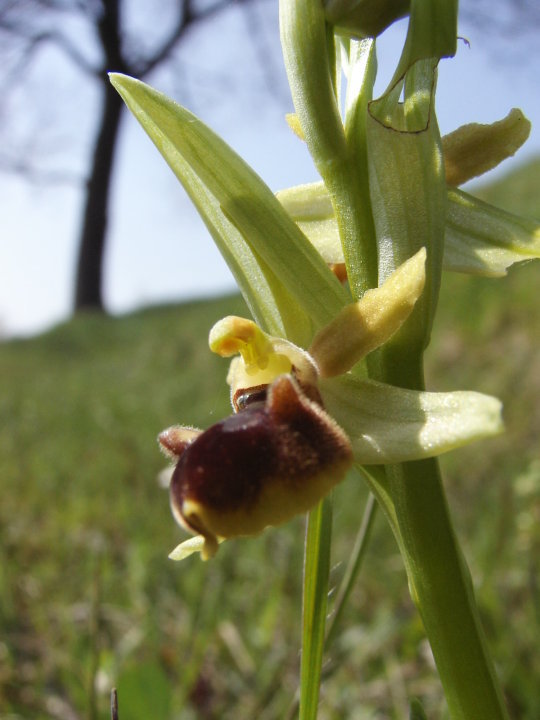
225,467
286,439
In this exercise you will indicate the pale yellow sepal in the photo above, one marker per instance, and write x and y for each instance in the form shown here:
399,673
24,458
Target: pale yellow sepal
193,545
365,325
473,149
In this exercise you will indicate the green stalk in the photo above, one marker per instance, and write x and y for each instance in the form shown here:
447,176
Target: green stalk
408,196
351,574
316,572
441,587
440,582
353,567
336,154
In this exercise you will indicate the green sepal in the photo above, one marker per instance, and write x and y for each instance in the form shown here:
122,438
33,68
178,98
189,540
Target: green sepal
252,228
387,424
484,240
480,239
311,209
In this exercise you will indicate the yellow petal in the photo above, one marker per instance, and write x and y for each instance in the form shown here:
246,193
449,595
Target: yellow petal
473,149
233,335
365,325
262,359
190,546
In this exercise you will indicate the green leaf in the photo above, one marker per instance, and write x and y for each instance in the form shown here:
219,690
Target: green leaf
408,195
316,573
406,168
387,424
484,240
416,711
218,179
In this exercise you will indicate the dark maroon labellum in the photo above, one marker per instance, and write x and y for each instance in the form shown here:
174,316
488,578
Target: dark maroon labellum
275,458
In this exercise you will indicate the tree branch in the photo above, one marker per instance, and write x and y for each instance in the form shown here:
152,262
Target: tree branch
62,42
263,50
37,176
186,18
34,38
109,29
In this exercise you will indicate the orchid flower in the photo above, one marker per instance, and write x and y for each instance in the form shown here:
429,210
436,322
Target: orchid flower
282,452
342,279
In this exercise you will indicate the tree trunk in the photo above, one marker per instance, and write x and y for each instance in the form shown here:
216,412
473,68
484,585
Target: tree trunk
89,278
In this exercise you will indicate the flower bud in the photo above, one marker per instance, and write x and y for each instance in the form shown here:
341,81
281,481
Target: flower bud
365,18
473,149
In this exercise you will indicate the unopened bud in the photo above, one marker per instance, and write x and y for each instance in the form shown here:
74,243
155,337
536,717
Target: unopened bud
365,18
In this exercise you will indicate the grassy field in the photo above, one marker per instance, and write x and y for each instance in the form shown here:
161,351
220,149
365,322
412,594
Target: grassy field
89,600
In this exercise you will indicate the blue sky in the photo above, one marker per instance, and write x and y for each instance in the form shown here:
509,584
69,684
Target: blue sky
158,248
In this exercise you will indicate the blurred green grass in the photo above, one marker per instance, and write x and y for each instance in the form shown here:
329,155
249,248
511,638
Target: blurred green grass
89,600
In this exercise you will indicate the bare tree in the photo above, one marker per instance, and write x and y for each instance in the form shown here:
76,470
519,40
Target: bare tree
27,27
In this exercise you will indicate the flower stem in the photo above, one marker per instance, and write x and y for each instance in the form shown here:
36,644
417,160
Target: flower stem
340,157
353,567
316,572
440,584
441,587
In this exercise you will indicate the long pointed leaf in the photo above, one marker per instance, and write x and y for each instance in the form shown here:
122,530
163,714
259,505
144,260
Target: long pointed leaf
245,200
